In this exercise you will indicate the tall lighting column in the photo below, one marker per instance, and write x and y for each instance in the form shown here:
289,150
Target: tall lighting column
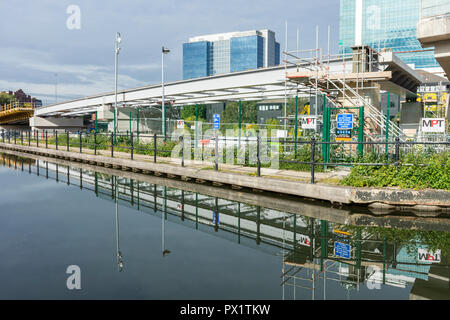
163,105
117,50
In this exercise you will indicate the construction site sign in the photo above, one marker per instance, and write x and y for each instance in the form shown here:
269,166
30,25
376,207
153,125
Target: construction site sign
425,255
436,125
180,124
304,240
309,122
344,121
342,250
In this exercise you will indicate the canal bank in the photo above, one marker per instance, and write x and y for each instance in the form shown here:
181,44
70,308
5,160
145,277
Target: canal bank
379,199
344,215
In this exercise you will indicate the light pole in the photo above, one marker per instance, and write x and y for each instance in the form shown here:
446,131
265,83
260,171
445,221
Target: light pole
163,106
117,50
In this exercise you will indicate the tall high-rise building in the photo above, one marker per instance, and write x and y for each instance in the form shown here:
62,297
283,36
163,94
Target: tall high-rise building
229,52
384,24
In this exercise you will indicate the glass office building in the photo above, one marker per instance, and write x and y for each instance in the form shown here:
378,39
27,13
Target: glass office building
384,24
229,52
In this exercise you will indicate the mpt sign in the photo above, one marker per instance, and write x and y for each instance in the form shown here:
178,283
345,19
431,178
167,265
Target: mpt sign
429,256
433,125
309,122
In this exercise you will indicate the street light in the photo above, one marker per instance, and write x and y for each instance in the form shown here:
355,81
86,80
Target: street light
164,51
117,49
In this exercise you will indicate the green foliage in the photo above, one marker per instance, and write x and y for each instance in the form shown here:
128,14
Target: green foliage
433,240
249,112
189,112
5,98
435,175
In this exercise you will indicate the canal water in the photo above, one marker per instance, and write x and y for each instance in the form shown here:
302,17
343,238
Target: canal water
161,242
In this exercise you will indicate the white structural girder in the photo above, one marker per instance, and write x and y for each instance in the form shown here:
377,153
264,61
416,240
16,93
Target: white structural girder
231,86
260,84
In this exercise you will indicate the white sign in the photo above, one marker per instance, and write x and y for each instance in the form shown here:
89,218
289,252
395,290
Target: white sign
429,256
433,125
309,122
304,240
281,133
180,124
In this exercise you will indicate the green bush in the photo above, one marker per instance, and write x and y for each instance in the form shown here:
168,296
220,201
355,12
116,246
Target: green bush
410,173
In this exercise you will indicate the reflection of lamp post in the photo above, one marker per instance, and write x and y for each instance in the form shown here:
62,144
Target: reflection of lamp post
165,252
119,254
117,49
164,51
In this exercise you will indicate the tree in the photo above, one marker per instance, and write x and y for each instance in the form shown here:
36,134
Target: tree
5,98
249,112
189,112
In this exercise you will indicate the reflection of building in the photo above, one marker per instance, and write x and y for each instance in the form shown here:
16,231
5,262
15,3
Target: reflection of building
384,24
229,52
307,242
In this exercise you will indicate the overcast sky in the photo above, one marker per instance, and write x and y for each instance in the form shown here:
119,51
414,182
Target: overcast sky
36,43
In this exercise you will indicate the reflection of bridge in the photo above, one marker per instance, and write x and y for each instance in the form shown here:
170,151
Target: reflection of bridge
306,243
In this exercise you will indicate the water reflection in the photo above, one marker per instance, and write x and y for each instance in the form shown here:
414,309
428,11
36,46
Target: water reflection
315,254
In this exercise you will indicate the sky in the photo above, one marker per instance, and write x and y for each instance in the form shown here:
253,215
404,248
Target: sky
45,46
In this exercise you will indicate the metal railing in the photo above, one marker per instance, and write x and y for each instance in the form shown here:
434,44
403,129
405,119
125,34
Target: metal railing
262,152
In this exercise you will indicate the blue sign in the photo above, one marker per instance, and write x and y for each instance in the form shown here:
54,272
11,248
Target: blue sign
342,250
344,121
216,122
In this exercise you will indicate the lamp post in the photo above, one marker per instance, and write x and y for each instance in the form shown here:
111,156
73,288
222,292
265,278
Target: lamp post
117,50
163,106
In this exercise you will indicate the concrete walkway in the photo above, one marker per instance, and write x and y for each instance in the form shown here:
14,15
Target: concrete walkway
285,182
329,177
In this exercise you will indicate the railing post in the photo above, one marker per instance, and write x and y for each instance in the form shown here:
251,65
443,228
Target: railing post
21,137
56,139
154,147
313,155
182,150
9,136
112,145
15,140
46,139
81,143
258,159
132,145
3,135
397,151
67,134
37,138
95,143
29,137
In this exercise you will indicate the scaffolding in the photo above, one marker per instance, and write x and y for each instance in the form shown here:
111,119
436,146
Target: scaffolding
351,84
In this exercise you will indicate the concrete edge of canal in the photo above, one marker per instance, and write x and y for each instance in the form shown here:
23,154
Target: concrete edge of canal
376,198
345,215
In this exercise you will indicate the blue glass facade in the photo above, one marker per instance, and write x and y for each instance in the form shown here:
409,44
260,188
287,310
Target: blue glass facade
231,52
196,59
385,24
277,54
246,53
